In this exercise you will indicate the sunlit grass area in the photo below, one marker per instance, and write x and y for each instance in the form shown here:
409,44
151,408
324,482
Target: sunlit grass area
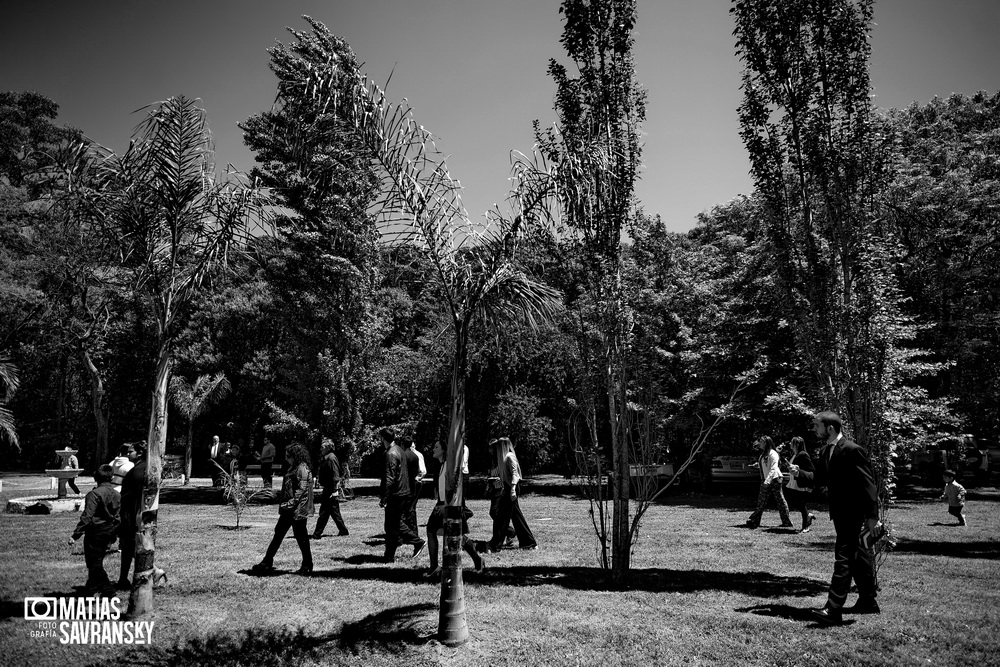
704,591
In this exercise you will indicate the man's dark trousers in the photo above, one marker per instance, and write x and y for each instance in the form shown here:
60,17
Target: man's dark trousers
397,526
329,507
850,561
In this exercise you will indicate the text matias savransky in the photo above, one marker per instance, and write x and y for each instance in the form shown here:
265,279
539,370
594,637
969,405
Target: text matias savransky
86,620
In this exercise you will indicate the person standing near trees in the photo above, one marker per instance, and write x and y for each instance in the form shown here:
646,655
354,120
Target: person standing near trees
396,499
266,458
415,469
97,526
131,510
770,484
798,491
508,508
329,500
120,465
215,451
843,467
293,512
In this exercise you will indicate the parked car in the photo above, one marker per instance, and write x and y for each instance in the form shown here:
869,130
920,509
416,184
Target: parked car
735,469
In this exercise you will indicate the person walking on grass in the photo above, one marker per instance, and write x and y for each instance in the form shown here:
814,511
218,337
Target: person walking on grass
843,467
508,508
435,522
295,509
797,492
954,493
97,526
397,499
770,484
133,485
329,500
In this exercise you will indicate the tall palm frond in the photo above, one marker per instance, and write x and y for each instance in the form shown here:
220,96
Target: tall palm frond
9,382
192,400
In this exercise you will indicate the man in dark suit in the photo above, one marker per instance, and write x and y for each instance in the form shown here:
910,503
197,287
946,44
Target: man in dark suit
397,499
843,467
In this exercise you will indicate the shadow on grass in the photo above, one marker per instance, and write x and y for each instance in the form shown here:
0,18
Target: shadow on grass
655,580
788,612
360,559
392,631
14,609
984,550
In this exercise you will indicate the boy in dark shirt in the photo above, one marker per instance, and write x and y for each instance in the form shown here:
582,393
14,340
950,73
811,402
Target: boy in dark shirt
98,526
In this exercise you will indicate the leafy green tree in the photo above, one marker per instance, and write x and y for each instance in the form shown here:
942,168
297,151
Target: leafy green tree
170,222
323,266
597,149
193,399
820,165
942,206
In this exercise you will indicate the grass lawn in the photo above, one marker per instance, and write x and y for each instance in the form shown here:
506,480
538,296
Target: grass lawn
705,591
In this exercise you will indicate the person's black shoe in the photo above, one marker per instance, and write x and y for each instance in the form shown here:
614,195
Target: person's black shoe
343,533
787,524
314,536
262,568
827,616
812,520
752,524
509,542
305,569
530,547
123,585
419,548
864,606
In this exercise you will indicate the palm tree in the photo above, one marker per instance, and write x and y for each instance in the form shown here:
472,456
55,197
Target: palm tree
171,223
9,383
192,400
475,265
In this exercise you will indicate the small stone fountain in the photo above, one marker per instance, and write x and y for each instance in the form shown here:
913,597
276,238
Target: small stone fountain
65,471
47,504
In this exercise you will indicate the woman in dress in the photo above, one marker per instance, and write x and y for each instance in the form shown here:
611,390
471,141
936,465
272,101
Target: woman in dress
798,489
770,484
295,508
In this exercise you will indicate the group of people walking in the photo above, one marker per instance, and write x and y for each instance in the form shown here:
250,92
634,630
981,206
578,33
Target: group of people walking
405,472
791,491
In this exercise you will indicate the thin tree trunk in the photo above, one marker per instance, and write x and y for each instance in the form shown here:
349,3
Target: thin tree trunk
99,405
141,601
188,452
452,627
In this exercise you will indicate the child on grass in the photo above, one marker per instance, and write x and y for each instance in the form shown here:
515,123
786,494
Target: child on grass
98,526
954,493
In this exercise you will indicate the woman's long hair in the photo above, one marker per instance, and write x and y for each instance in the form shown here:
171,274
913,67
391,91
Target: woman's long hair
766,439
798,445
299,455
503,447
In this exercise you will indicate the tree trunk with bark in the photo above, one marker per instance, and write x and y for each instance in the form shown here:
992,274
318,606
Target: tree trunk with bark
99,404
452,627
141,601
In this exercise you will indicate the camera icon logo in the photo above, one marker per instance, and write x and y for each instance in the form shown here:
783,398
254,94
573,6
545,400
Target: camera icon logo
40,609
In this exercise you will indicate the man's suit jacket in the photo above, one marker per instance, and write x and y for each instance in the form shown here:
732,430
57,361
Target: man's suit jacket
845,470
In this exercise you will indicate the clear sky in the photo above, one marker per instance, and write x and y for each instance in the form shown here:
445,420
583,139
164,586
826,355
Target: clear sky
473,70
